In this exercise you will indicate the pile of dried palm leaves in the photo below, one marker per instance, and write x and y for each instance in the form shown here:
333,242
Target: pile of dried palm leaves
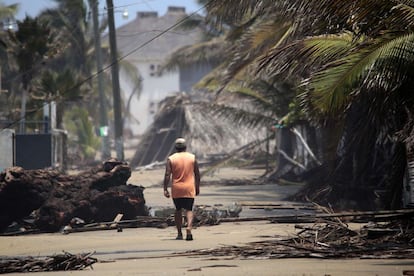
60,262
330,239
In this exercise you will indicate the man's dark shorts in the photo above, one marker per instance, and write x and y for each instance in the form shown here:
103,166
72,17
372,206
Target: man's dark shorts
184,203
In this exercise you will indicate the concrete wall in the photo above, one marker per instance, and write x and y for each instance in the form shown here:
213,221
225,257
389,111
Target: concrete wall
190,75
6,149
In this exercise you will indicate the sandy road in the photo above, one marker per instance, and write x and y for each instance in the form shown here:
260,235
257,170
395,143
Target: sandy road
150,251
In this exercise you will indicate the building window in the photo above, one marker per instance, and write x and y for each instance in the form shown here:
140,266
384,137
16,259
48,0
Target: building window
155,70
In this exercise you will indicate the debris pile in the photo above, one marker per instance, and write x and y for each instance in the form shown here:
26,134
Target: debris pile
119,225
392,240
47,200
207,215
60,262
203,214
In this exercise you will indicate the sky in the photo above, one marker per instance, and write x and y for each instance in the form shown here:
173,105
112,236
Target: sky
33,7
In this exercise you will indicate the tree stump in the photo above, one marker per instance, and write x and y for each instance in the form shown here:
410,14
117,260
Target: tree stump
53,199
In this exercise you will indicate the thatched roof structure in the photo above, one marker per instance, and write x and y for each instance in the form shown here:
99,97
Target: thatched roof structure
206,134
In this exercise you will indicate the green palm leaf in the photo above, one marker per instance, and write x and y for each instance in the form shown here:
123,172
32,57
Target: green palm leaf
405,13
260,39
332,85
322,49
302,55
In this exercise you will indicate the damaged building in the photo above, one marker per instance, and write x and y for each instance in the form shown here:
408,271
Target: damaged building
207,134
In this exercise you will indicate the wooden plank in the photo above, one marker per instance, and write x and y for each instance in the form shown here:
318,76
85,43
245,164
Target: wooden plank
282,207
270,203
118,218
305,218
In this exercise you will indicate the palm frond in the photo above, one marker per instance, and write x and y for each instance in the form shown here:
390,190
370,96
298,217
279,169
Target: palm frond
396,60
301,55
322,49
262,37
403,15
231,12
212,52
238,114
405,2
250,94
332,85
210,82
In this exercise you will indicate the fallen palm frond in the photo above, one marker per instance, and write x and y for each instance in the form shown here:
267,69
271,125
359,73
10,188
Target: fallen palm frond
327,240
60,262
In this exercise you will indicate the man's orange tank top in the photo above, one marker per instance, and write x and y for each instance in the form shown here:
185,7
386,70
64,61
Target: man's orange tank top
183,181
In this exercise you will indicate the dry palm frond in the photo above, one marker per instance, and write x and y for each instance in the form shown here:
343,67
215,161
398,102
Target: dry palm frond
212,52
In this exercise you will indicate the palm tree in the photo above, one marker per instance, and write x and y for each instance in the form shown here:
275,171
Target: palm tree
82,139
360,76
60,87
5,12
72,18
351,62
31,45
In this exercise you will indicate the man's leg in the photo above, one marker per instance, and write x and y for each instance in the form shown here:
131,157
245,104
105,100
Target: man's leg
189,214
178,223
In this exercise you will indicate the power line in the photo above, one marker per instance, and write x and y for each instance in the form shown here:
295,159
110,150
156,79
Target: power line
124,56
147,42
129,34
129,5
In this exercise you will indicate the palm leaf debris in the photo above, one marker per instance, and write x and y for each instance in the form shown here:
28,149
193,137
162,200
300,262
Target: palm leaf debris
60,262
329,240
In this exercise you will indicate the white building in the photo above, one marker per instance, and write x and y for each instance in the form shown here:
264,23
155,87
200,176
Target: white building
146,44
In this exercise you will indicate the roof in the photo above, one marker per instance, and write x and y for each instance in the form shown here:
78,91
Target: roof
145,39
206,135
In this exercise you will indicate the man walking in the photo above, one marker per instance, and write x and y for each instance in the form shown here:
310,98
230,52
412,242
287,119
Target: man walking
183,168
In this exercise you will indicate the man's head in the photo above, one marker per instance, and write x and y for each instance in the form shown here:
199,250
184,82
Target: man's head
180,144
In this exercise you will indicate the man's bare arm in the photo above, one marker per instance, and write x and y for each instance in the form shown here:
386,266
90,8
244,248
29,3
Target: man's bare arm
197,177
167,178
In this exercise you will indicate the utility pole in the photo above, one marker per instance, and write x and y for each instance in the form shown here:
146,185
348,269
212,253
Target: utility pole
119,143
103,128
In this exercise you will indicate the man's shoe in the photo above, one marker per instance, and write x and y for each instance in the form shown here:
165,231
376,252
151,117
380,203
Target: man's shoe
179,236
189,237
